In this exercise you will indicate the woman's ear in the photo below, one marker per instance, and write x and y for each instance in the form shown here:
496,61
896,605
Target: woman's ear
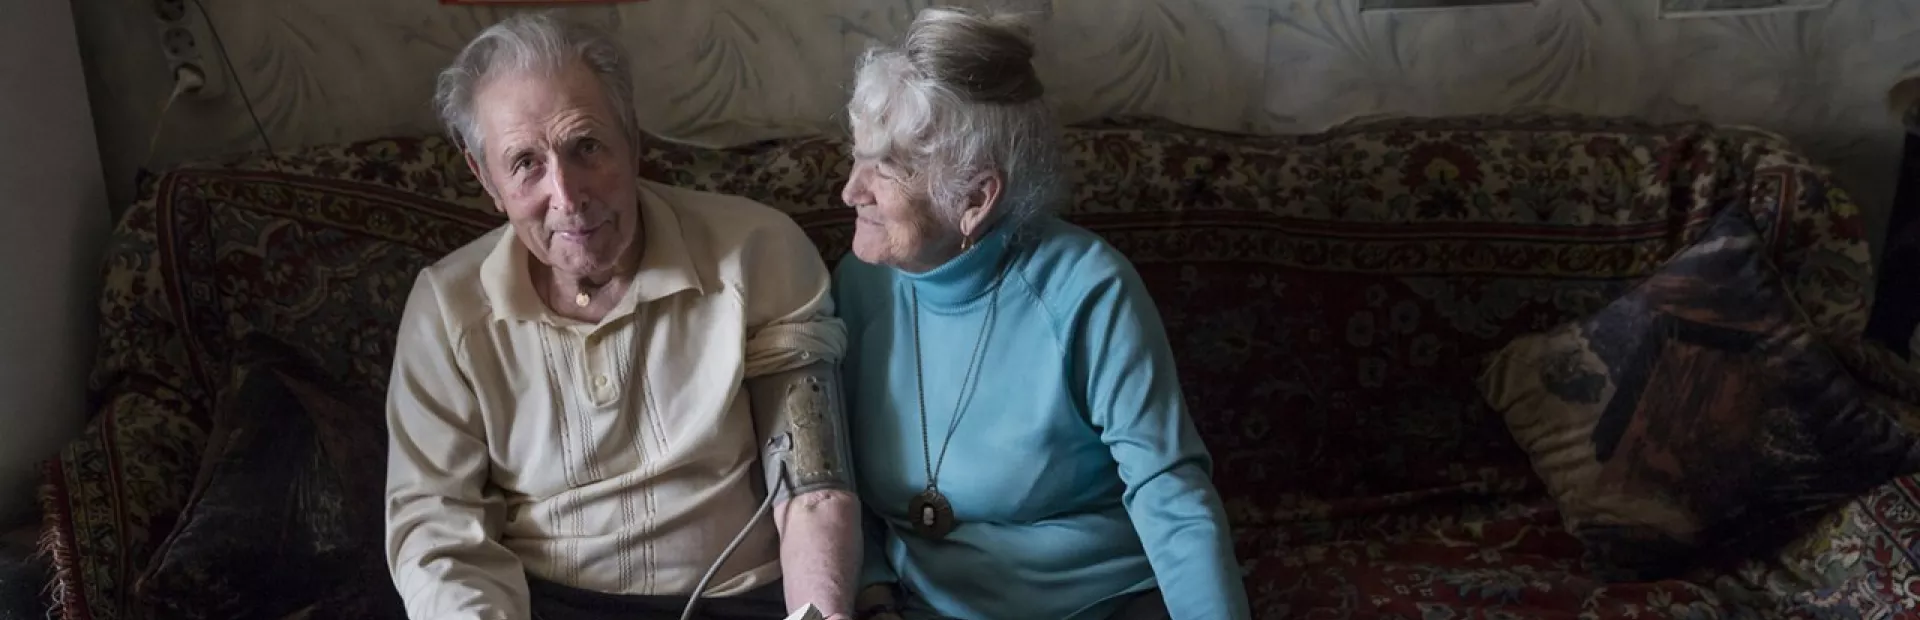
980,203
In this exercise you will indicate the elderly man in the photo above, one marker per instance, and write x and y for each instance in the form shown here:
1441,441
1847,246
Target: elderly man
593,407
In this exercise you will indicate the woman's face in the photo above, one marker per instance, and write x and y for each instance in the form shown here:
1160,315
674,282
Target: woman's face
897,223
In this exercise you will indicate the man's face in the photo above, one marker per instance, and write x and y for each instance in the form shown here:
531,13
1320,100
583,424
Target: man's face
558,165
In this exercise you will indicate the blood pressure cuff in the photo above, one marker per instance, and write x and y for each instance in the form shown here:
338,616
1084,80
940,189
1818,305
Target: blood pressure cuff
803,430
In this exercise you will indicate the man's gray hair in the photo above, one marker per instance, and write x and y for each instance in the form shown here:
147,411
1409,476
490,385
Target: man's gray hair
959,97
537,41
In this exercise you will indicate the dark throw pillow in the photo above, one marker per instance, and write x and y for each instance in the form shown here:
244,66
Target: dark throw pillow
286,512
1694,416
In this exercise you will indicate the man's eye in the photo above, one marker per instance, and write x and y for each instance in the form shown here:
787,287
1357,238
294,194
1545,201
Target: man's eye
590,146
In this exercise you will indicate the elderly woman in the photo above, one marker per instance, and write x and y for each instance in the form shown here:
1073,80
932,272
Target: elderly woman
1018,428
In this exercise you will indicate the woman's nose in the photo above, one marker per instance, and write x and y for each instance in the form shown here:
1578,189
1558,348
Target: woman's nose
854,191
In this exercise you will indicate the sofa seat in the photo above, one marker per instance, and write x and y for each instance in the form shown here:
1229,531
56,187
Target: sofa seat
1480,552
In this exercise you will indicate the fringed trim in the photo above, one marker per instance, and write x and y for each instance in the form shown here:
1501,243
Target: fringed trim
56,543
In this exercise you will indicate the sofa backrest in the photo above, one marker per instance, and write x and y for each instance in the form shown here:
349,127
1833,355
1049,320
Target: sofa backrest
1327,295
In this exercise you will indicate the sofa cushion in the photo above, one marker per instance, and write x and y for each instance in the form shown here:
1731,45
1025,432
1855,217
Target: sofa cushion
286,509
1696,411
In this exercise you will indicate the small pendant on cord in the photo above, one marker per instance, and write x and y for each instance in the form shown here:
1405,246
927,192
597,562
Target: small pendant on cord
931,514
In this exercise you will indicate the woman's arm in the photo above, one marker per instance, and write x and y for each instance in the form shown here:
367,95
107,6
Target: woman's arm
875,598
1125,370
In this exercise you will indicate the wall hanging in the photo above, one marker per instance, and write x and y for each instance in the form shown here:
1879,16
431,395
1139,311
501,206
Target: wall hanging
534,2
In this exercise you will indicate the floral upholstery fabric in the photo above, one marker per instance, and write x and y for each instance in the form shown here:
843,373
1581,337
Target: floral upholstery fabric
1326,296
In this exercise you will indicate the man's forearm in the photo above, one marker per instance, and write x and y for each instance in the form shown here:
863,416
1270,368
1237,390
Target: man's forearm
820,550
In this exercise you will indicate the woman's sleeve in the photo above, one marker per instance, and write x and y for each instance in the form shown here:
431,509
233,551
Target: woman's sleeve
1125,369
874,567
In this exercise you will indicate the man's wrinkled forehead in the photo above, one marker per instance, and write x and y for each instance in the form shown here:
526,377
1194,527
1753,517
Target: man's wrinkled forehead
540,102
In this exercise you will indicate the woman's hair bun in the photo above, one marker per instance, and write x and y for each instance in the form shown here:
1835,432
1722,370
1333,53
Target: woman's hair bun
983,57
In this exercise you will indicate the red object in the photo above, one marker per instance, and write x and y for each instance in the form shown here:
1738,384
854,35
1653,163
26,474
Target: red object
534,2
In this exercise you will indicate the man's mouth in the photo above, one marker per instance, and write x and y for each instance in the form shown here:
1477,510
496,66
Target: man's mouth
575,236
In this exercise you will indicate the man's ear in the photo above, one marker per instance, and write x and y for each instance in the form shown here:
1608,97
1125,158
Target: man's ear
980,203
473,165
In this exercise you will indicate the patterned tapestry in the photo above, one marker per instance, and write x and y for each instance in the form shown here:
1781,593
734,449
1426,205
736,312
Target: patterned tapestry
727,71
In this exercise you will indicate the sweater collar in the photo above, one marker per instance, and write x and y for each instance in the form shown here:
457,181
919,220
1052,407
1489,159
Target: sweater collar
968,276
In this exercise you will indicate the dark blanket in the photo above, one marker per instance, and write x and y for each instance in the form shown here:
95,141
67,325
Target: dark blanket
552,601
23,584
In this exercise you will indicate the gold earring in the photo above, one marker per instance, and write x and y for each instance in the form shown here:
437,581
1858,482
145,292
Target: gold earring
966,243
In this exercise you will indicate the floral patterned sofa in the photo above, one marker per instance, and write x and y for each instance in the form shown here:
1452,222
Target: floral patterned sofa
1327,296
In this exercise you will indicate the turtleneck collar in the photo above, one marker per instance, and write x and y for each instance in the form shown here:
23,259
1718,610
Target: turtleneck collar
966,277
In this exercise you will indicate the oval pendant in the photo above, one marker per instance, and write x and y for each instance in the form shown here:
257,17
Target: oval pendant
932,516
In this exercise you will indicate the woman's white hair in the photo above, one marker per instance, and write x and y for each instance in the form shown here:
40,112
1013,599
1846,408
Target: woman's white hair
538,41
957,98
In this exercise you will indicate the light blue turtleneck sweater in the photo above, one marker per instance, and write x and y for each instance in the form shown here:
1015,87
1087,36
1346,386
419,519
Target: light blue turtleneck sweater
1076,475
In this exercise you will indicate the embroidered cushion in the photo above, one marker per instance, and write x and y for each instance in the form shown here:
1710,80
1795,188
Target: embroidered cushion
286,509
1695,413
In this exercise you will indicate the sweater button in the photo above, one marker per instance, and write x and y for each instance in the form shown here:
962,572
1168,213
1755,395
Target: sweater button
600,381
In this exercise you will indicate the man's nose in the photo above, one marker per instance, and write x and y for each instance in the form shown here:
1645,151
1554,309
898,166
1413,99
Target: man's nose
567,190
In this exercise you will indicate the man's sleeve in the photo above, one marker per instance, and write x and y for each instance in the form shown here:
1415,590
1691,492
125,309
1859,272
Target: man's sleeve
794,346
789,301
442,545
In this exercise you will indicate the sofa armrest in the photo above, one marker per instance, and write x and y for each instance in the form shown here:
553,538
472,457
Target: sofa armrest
112,495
